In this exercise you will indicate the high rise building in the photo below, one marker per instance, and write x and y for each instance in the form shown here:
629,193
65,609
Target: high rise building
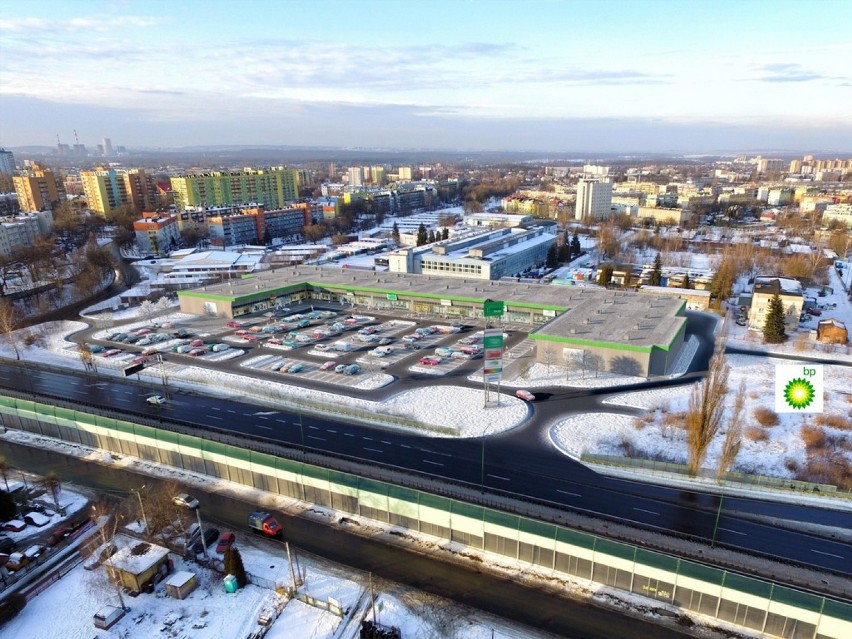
273,188
404,173
594,199
141,190
356,177
104,189
106,147
377,174
7,162
39,189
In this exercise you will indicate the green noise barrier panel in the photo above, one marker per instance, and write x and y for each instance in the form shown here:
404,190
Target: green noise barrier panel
759,605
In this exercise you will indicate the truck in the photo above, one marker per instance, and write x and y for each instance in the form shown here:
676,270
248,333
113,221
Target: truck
342,345
264,524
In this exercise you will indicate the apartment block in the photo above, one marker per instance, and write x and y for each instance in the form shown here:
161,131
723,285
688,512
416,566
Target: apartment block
594,198
156,233
39,189
272,188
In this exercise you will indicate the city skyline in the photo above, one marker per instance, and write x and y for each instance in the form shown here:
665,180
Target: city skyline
551,76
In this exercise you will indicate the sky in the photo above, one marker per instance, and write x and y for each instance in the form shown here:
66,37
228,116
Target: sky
549,75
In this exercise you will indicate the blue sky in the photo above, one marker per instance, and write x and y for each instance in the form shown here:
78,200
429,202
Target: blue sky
550,75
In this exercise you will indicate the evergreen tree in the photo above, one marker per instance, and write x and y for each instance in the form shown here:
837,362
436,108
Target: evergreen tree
552,257
395,234
773,329
445,235
239,569
605,274
575,245
422,236
564,252
431,237
687,283
656,277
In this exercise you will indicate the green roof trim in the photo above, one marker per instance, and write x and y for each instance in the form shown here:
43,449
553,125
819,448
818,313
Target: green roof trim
588,342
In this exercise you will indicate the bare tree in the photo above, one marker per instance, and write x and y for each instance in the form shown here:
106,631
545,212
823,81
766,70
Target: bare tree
706,409
51,483
734,434
4,471
9,318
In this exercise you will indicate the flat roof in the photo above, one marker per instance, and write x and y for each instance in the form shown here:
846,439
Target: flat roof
657,315
636,322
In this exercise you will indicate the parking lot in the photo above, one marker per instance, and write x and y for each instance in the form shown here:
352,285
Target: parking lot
312,343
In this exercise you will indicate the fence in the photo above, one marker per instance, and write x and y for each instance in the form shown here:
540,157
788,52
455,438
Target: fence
709,475
756,604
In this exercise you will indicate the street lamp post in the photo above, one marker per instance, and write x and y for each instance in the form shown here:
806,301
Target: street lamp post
142,507
718,514
201,531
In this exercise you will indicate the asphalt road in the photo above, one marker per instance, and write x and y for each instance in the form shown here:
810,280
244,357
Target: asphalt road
515,463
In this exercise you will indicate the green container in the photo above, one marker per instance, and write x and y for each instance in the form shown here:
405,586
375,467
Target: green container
230,583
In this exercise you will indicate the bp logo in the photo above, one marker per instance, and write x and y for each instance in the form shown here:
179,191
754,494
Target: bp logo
798,389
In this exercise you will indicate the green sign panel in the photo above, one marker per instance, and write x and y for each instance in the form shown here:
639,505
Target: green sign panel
492,308
392,297
493,341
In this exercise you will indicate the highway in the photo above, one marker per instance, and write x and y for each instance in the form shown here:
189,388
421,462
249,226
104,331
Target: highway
515,463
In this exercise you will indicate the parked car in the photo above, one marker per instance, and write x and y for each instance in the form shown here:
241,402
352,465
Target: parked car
185,501
430,361
328,365
58,535
340,368
111,352
156,399
296,368
141,359
524,395
15,525
195,352
226,540
210,537
353,369
815,312
7,544
235,324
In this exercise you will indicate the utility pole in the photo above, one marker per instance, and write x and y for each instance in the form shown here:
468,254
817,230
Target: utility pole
142,508
201,531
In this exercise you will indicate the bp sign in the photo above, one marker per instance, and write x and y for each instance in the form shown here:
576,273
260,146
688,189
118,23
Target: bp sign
492,308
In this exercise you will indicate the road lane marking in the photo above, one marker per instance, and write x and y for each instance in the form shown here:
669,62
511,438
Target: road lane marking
232,411
264,427
565,492
433,463
348,435
827,554
375,450
498,477
388,443
262,417
215,408
405,445
369,439
332,431
282,421
322,439
736,532
214,417
650,512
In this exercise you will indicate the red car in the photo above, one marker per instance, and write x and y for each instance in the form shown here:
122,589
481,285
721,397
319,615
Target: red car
235,324
430,361
815,312
226,540
111,352
524,395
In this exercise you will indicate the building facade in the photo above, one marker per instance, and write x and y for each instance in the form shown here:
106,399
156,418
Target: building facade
273,188
39,189
156,233
594,198
22,230
790,293
838,213
104,189
7,162
486,256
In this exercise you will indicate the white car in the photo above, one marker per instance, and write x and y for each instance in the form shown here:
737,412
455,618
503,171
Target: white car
185,501
156,399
